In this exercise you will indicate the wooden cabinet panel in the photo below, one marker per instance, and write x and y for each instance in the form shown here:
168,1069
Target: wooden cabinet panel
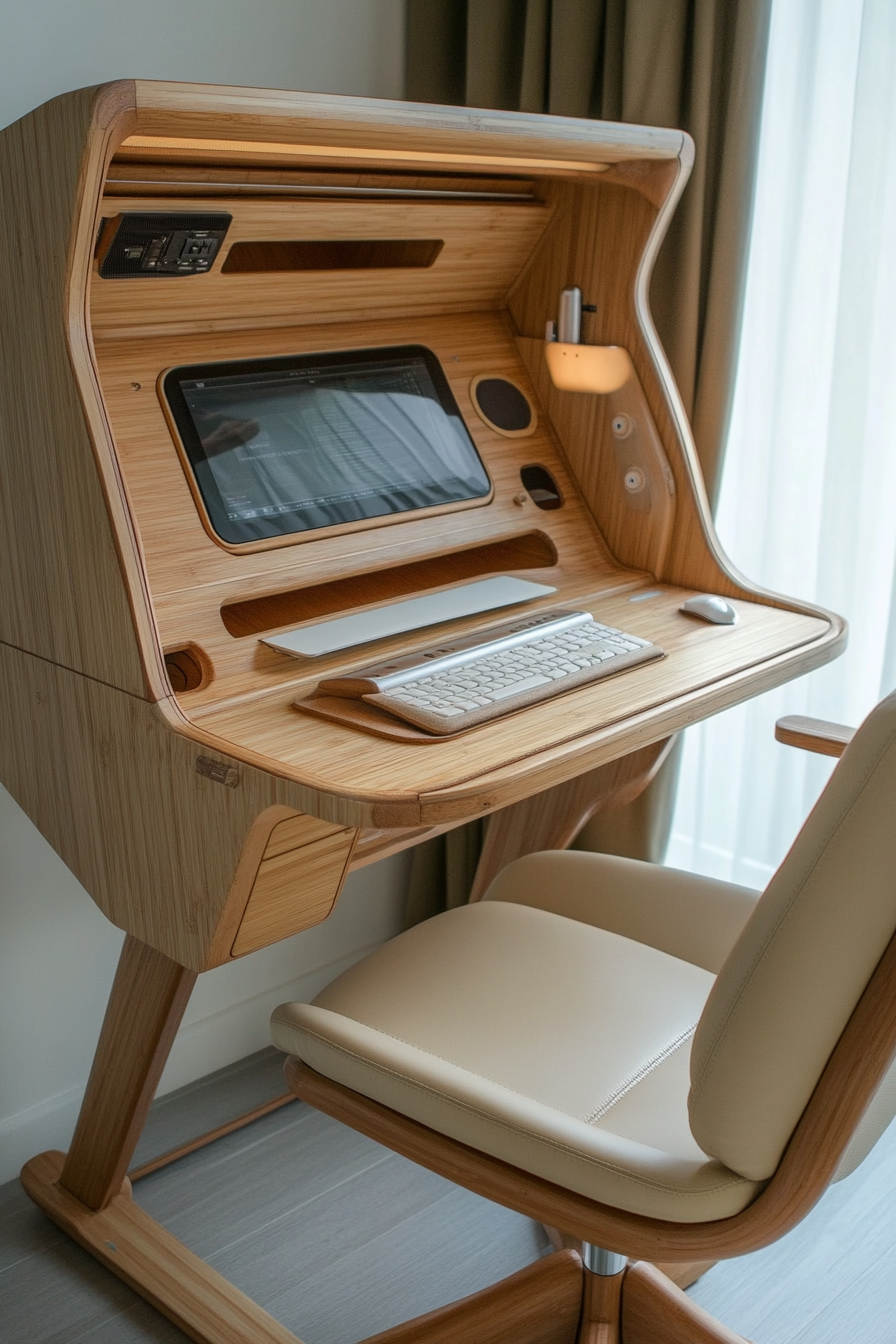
295,887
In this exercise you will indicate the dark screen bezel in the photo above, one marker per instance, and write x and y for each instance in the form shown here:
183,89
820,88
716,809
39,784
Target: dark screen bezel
237,534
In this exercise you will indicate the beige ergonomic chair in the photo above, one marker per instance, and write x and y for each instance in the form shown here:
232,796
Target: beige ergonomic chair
663,1066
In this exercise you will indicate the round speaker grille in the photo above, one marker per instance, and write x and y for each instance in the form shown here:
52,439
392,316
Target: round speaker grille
503,405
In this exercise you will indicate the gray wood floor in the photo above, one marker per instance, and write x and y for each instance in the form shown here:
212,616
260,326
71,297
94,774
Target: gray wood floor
339,1238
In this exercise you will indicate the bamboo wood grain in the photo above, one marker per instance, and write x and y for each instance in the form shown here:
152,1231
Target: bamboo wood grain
132,170
266,738
65,592
605,234
293,890
685,1273
205,1306
177,547
638,536
818,735
149,995
373,845
167,853
495,764
530,550
655,1311
392,131
538,1305
851,1077
601,234
553,821
485,245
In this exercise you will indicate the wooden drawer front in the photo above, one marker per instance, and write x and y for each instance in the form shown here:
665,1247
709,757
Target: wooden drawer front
295,832
294,888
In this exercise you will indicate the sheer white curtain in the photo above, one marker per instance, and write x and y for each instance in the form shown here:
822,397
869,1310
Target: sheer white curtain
808,503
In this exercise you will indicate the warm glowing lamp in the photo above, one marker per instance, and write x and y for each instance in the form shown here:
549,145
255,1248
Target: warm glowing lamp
588,368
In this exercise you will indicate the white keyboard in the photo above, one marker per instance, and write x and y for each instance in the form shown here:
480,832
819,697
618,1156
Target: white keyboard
456,685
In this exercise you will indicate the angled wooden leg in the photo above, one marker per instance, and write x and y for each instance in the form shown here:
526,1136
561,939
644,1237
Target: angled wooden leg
86,1193
553,819
149,995
655,1311
538,1305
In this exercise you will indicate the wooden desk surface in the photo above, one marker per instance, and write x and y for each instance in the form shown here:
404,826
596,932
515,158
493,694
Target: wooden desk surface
706,668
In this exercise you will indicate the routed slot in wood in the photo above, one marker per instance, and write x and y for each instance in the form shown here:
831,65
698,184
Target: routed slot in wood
531,550
180,171
332,254
187,669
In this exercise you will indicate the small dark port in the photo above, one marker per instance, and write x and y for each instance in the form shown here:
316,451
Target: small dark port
542,487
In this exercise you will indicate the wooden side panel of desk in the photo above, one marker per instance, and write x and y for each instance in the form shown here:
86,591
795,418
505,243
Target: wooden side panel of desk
62,567
169,854
598,235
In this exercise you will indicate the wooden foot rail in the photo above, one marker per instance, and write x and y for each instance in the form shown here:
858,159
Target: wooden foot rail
155,1264
551,1302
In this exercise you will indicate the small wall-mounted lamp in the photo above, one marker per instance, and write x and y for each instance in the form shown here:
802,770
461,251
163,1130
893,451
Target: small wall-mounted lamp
582,368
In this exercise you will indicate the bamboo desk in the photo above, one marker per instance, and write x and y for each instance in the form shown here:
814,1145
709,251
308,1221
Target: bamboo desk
146,732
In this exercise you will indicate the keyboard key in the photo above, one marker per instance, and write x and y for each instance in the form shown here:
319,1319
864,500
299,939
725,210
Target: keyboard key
482,677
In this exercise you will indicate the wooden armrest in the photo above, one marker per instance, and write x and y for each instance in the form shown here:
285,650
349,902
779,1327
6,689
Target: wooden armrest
828,739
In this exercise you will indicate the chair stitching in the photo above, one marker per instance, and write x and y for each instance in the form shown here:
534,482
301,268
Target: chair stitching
594,1116
639,1075
732,1180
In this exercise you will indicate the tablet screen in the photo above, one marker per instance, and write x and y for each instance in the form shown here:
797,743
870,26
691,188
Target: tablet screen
278,446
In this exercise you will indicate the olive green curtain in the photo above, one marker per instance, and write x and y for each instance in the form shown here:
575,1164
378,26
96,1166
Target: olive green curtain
694,64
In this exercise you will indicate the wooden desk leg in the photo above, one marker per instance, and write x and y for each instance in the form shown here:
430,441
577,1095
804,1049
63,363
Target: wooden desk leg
149,995
87,1195
553,819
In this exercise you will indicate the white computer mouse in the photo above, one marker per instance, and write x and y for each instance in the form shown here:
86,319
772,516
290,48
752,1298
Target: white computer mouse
710,608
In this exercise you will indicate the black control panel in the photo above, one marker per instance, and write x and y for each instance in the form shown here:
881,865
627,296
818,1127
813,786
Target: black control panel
137,244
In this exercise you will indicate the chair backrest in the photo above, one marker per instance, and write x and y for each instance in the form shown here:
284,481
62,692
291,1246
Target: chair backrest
793,978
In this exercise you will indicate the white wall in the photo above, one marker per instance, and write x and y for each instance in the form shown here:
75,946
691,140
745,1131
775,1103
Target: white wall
57,952
325,46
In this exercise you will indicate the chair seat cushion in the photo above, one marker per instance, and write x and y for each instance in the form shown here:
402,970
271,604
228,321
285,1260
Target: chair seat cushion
555,1046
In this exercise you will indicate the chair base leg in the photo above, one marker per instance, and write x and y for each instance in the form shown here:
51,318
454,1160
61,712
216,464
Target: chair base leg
655,1311
538,1305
